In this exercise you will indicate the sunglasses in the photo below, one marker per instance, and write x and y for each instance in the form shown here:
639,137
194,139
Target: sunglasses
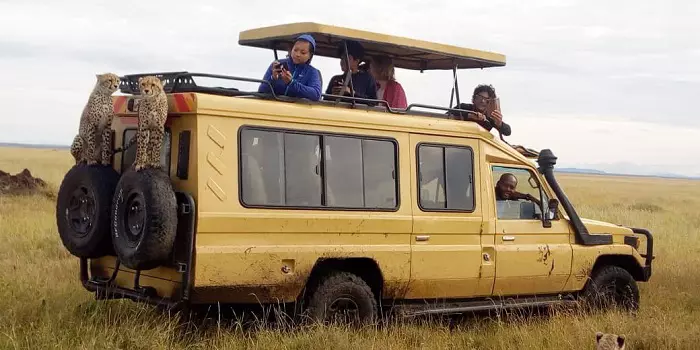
482,98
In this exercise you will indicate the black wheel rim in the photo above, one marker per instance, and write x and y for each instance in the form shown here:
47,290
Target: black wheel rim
81,211
344,309
135,218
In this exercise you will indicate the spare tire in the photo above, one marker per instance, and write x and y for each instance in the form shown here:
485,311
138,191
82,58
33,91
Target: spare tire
144,219
83,210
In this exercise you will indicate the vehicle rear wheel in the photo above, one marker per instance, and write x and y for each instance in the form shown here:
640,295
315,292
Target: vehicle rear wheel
145,218
611,287
83,210
343,297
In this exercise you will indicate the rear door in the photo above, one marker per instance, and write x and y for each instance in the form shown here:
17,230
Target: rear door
446,247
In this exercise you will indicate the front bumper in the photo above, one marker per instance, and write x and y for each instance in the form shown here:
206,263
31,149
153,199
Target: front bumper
649,256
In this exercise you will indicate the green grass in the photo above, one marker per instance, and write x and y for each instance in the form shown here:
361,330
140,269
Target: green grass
43,306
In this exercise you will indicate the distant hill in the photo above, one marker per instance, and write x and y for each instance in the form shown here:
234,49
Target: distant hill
600,172
580,171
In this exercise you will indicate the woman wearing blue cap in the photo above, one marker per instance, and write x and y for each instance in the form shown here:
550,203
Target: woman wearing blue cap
294,76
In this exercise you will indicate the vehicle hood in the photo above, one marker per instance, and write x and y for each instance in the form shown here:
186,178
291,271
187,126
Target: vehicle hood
595,226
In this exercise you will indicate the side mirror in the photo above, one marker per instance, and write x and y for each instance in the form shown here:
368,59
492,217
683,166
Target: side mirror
551,212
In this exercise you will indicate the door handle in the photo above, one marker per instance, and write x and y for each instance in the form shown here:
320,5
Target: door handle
422,238
508,238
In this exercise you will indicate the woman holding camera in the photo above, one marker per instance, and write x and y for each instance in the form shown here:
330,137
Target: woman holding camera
294,76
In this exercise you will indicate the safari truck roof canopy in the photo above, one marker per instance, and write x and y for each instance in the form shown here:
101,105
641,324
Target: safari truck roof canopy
406,53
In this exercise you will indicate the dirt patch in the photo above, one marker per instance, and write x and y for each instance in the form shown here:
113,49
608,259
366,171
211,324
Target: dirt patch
22,184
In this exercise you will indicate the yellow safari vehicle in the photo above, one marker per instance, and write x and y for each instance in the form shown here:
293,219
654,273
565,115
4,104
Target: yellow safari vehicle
338,206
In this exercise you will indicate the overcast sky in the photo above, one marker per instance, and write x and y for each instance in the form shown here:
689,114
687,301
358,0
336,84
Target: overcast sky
607,84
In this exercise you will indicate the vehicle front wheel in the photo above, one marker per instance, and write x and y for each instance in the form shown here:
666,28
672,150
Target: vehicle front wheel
611,287
343,297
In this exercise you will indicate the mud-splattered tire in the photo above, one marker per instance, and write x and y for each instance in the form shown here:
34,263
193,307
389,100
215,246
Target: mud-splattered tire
611,287
144,219
83,210
342,297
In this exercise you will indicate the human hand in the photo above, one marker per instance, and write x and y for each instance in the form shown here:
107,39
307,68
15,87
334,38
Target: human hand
286,76
497,118
338,90
276,69
477,117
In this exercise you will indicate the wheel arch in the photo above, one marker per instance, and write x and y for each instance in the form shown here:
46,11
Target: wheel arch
626,262
364,267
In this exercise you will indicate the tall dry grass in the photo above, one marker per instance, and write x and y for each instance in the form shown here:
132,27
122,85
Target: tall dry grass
42,304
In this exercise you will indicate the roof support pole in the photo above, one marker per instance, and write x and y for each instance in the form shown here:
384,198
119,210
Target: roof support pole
455,86
274,50
348,75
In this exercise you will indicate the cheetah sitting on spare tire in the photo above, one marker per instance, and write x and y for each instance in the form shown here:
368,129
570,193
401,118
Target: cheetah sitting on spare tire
85,195
95,131
152,109
144,207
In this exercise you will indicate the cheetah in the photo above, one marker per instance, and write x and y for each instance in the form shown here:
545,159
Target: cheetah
95,133
609,341
152,111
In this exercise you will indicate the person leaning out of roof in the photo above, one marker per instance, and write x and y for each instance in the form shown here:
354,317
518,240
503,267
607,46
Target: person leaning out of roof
483,95
294,76
363,84
388,89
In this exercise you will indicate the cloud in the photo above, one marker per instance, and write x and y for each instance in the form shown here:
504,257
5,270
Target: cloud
588,63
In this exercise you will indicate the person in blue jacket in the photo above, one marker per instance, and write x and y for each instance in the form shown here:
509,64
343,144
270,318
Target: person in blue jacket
294,76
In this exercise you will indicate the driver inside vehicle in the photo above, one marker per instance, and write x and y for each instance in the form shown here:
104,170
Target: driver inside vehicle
505,190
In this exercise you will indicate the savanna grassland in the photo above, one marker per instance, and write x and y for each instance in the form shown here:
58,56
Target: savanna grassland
43,306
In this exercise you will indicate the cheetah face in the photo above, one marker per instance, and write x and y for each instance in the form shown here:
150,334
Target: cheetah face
108,82
609,341
150,86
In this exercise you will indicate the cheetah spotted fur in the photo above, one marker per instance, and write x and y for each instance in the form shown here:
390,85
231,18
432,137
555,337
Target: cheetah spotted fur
95,133
152,111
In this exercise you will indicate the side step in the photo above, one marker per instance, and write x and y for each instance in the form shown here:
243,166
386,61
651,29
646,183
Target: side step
438,308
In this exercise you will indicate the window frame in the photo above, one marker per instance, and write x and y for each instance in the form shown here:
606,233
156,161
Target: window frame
444,167
165,129
540,188
322,144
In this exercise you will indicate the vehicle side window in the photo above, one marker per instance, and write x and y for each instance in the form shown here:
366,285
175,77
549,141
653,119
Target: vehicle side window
288,169
446,176
129,155
379,170
344,173
302,173
518,194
